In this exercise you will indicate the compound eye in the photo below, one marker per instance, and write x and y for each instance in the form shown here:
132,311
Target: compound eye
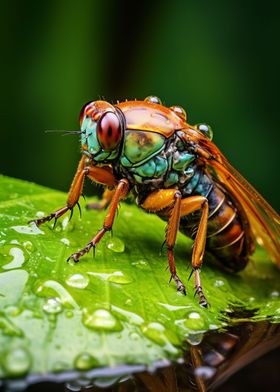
109,132
206,130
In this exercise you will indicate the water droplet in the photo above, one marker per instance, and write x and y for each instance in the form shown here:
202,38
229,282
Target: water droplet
128,302
116,245
274,294
205,372
17,362
133,318
219,283
52,306
162,336
84,361
195,339
78,281
69,314
40,214
18,259
59,366
172,308
14,242
114,277
194,315
101,319
31,229
65,241
193,322
141,264
106,382
47,288
73,387
49,259
29,246
134,336
119,277
213,326
67,225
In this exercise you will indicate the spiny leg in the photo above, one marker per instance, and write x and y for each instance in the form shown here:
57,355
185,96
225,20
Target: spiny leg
171,234
73,196
120,193
101,175
198,251
164,199
171,199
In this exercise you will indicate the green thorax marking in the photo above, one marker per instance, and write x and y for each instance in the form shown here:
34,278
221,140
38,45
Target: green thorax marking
140,146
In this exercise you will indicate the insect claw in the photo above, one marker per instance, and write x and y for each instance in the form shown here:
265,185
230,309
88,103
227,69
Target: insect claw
71,214
161,248
80,211
93,252
54,224
191,274
170,279
83,196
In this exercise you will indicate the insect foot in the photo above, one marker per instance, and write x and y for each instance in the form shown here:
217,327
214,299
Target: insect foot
180,286
202,299
80,253
55,215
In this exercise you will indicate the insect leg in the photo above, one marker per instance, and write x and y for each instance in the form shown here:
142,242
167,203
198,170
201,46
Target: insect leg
106,198
120,193
159,200
73,196
164,198
190,205
102,175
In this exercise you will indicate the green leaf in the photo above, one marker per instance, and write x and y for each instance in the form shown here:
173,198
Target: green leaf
117,308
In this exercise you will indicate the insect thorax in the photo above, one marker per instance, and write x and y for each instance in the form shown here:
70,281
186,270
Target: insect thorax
150,161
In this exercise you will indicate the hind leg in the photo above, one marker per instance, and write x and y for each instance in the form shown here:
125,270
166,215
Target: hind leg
170,201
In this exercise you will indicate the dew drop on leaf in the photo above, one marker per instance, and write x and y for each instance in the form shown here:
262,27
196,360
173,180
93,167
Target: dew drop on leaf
29,246
119,278
116,245
78,281
13,256
52,306
84,361
17,362
101,319
31,229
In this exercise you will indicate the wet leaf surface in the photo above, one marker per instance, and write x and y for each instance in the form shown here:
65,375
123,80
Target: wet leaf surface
117,308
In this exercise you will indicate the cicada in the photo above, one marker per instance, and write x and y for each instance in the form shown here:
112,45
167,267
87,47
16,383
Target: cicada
175,171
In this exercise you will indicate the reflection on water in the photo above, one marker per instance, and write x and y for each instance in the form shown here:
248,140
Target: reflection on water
205,366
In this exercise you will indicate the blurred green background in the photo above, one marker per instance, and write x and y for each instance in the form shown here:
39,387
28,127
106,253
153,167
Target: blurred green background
217,59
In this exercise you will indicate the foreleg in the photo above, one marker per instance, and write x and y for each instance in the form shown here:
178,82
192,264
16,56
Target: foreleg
120,193
102,175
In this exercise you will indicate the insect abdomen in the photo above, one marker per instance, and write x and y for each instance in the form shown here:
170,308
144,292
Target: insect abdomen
226,233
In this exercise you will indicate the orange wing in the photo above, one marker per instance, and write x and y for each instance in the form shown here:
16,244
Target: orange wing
264,220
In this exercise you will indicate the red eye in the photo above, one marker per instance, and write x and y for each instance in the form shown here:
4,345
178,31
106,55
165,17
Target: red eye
109,131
